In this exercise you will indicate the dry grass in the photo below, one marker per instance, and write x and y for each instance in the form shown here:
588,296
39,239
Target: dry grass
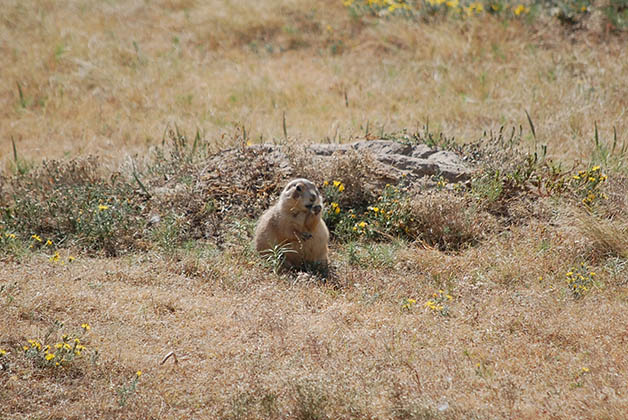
108,78
253,345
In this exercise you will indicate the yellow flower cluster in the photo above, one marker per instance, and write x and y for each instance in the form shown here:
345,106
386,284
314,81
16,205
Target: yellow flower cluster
384,7
39,242
408,304
588,182
580,280
377,5
336,184
59,354
335,207
521,9
360,227
381,211
439,302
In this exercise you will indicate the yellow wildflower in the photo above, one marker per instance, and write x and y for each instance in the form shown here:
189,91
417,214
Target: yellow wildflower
138,373
585,369
48,242
596,168
102,207
520,9
50,356
362,224
336,184
36,237
2,352
85,327
71,258
341,187
325,183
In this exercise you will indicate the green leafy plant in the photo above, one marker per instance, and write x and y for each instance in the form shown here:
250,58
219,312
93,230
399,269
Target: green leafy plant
616,11
128,390
71,201
276,256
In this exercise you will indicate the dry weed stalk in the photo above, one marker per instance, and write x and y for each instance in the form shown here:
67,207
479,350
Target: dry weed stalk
608,237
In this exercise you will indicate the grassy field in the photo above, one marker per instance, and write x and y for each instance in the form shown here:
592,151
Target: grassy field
125,237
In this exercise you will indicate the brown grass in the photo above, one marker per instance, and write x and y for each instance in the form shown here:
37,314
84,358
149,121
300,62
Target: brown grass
247,338
108,78
516,342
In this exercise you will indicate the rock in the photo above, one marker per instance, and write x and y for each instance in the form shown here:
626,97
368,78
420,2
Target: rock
395,158
418,160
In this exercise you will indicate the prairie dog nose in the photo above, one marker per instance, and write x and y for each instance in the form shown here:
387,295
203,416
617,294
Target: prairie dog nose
317,208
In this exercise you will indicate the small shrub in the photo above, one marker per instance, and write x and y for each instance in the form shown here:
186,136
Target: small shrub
580,280
447,221
63,353
310,401
616,11
586,185
72,202
439,302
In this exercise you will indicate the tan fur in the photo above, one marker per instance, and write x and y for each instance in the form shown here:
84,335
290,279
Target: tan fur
293,221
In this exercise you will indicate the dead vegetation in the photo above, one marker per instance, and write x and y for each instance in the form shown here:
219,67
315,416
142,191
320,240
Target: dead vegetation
505,296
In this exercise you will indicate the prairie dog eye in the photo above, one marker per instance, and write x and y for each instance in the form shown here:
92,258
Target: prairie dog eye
299,188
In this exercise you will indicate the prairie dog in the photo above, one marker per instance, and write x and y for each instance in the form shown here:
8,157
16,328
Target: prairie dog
295,221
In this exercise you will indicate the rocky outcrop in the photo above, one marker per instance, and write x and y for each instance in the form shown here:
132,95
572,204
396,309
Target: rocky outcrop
417,160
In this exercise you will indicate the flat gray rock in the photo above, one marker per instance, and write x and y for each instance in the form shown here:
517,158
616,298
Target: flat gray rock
416,160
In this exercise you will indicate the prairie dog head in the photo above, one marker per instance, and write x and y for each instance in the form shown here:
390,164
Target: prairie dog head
302,195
